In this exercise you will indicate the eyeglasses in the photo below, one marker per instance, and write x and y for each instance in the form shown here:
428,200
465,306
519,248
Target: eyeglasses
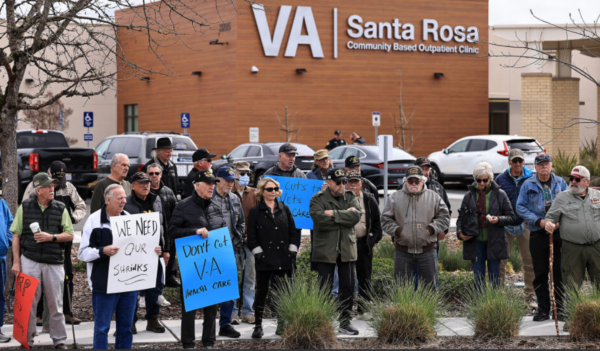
485,180
341,182
517,160
414,181
270,189
153,173
577,180
243,174
207,160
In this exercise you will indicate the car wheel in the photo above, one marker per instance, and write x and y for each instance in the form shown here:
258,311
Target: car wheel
437,175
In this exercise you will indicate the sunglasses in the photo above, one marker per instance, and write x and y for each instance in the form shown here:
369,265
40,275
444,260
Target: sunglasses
153,173
517,160
270,189
577,180
341,182
243,174
485,180
206,159
413,181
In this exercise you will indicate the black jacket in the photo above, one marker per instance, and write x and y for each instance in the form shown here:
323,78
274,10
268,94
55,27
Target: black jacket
274,233
169,173
373,217
133,207
188,186
168,201
369,187
497,247
190,215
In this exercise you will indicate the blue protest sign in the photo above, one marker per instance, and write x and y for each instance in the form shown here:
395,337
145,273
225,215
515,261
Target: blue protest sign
208,269
88,119
296,194
185,120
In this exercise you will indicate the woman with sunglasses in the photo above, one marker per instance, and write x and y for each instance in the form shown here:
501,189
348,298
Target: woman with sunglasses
271,237
484,238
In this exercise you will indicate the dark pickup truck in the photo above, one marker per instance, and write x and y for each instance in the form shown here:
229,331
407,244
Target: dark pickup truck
37,149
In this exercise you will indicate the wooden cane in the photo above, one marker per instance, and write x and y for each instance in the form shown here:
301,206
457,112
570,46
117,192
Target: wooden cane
552,282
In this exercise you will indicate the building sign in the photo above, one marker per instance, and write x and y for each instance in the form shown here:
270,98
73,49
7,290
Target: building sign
390,36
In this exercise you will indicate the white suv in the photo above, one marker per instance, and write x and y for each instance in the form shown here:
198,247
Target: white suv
456,163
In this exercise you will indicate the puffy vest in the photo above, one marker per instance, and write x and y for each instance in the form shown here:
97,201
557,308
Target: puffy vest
50,222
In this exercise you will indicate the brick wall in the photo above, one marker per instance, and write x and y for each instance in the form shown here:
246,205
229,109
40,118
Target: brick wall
565,108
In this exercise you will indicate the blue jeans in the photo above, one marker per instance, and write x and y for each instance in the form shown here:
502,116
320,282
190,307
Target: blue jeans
226,313
245,263
493,268
416,271
151,297
104,305
2,282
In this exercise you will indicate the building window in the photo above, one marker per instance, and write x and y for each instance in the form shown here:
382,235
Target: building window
131,118
499,116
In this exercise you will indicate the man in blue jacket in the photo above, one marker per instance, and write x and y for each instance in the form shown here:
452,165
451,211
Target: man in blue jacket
6,237
535,199
511,182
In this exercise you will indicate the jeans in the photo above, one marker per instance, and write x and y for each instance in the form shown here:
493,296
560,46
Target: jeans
151,297
2,282
104,305
493,268
245,263
539,246
426,262
226,313
416,271
347,280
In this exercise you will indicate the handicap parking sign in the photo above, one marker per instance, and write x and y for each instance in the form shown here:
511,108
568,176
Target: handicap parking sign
185,120
88,119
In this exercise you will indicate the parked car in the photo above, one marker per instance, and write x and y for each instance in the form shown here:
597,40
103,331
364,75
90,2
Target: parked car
263,156
372,165
138,146
37,149
456,163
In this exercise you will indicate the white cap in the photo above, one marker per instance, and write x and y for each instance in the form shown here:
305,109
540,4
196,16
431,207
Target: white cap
580,172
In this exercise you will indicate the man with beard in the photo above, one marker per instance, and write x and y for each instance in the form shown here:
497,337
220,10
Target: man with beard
535,199
352,163
414,216
577,212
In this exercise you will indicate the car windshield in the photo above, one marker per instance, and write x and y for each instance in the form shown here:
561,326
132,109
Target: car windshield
526,145
303,150
40,140
397,154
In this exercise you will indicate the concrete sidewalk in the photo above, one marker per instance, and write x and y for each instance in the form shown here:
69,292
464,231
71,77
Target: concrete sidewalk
447,327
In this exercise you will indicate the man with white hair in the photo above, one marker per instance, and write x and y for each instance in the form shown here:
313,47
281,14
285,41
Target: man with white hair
43,225
535,199
161,155
577,212
414,216
118,172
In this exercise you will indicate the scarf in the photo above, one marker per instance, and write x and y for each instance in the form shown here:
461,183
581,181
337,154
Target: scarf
481,206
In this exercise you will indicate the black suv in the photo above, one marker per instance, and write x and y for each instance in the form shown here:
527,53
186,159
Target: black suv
138,146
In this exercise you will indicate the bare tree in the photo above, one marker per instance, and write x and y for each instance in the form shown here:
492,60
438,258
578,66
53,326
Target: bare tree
48,117
288,125
403,131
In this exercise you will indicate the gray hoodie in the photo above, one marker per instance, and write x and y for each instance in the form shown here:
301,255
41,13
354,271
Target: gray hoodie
413,214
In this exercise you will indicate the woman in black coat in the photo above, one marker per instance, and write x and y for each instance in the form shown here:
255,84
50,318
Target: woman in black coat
484,212
272,238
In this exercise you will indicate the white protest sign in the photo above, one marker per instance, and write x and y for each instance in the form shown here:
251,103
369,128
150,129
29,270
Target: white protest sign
135,266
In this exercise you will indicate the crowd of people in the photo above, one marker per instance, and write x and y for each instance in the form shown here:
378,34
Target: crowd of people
518,205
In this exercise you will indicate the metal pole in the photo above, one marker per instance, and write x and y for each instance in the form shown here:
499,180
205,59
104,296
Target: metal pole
385,169
184,130
376,141
88,140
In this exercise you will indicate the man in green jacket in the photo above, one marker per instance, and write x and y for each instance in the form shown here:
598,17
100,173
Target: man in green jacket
335,212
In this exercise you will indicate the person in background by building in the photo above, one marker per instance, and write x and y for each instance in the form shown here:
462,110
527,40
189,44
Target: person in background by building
191,217
245,261
286,167
141,200
161,155
6,238
352,163
335,213
202,159
494,212
66,193
229,208
336,141
43,225
356,139
368,234
322,164
511,182
118,173
168,201
414,216
535,199
271,237
577,212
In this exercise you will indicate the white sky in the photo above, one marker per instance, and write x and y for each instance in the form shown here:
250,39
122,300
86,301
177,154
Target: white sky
555,11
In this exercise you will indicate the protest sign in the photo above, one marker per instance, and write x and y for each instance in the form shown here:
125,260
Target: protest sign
296,194
25,288
208,269
135,265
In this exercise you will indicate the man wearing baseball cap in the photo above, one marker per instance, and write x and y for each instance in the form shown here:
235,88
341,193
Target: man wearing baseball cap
141,200
202,159
42,225
577,211
191,217
336,141
535,199
335,212
161,154
511,182
414,216
322,164
352,163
